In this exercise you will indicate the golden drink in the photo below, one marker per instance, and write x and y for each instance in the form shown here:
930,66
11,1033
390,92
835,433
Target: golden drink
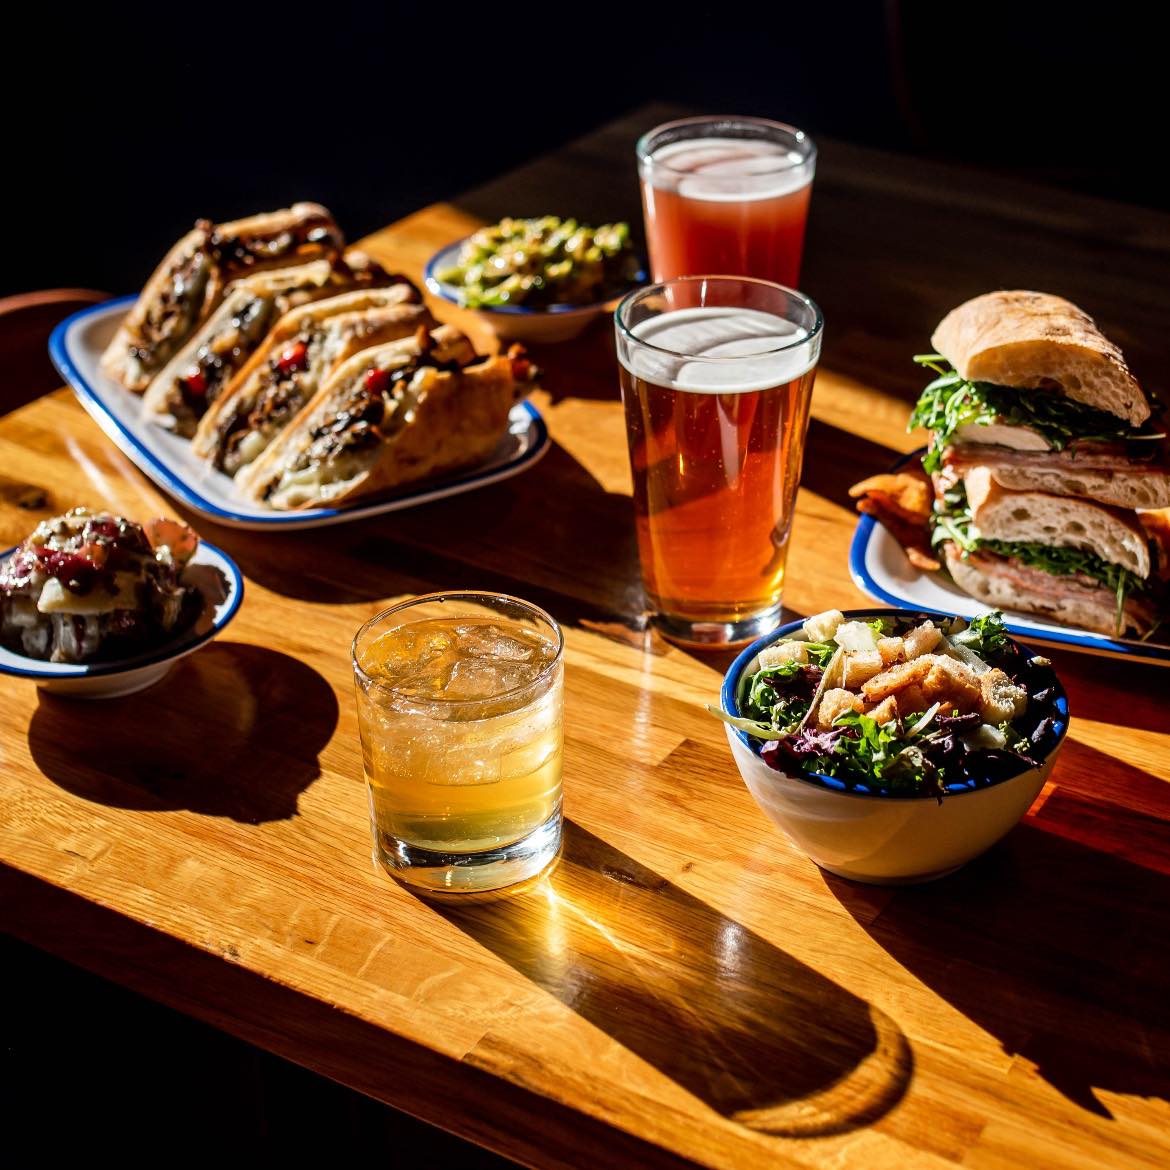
716,405
462,738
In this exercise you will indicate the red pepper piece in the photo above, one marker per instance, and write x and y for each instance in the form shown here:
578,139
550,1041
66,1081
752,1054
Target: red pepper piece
194,382
377,381
294,357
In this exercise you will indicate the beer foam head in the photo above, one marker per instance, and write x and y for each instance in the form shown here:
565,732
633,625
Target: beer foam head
760,350
729,169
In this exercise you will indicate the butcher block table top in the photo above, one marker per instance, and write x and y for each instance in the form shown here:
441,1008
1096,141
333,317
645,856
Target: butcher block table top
686,989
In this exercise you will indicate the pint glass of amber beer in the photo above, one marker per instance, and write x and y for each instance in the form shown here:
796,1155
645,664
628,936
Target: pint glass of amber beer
716,375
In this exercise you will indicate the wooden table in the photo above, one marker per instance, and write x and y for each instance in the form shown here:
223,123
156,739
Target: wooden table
687,989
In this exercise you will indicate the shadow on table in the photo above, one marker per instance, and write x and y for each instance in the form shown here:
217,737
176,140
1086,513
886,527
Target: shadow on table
1055,948
760,1037
263,717
551,535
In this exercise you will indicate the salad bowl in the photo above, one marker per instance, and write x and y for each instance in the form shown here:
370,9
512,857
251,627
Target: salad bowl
870,834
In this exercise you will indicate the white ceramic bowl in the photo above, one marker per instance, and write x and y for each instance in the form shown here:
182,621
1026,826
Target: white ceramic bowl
221,587
518,322
885,840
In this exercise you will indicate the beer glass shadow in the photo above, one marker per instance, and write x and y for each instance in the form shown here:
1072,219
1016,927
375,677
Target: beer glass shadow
248,751
552,535
1054,947
759,1036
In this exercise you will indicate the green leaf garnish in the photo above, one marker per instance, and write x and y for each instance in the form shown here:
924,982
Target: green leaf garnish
950,402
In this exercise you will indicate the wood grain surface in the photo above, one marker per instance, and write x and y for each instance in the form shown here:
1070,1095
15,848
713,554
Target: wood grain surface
686,988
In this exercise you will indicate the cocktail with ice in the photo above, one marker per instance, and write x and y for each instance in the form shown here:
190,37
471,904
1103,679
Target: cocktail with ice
726,196
460,699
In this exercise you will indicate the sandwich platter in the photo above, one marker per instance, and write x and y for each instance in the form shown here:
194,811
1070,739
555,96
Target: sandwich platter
881,569
76,347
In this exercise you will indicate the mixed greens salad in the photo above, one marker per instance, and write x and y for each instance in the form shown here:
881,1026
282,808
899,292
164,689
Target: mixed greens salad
899,705
542,262
950,401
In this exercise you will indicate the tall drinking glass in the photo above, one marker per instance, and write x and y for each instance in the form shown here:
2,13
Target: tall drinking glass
716,376
460,714
726,195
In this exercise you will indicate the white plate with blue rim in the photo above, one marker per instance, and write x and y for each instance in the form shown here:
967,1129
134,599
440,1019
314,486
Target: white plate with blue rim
221,590
880,568
76,346
546,324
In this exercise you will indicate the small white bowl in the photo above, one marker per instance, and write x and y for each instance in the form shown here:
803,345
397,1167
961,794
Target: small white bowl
881,839
221,587
518,322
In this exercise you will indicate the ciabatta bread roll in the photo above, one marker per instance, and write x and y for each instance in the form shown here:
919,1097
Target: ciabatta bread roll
1034,340
1059,521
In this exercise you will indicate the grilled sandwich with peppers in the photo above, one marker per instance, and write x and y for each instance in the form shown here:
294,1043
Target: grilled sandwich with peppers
199,373
391,415
305,345
192,278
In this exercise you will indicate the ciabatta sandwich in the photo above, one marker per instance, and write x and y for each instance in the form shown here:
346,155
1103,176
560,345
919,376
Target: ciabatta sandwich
1029,388
1063,558
192,278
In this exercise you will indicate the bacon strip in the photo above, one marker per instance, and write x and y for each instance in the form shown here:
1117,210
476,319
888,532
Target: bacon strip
902,502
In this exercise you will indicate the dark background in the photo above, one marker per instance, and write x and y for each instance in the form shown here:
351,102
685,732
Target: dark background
127,122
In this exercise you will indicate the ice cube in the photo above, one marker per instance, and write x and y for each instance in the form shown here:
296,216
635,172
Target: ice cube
476,678
492,641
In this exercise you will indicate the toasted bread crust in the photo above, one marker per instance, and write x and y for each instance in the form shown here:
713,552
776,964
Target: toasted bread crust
1033,340
371,315
456,420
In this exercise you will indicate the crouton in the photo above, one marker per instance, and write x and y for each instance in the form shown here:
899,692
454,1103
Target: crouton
885,711
780,652
896,678
938,679
892,650
922,639
910,701
859,666
952,684
822,626
834,702
1001,700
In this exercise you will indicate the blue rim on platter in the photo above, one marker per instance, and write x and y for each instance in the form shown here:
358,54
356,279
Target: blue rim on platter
729,700
449,292
181,644
183,490
859,570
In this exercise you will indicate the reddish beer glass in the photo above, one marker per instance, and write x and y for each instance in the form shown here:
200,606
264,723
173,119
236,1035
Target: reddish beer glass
726,195
716,377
